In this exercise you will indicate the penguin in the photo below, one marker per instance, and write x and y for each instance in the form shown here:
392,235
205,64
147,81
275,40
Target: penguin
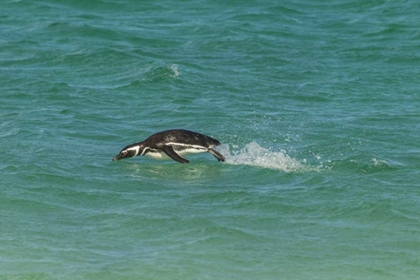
172,144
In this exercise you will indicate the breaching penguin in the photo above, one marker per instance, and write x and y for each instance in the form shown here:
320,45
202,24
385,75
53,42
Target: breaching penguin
174,144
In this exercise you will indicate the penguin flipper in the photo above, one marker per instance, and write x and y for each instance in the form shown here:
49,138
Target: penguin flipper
216,154
170,152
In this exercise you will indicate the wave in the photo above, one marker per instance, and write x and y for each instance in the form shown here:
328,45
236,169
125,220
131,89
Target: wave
161,72
255,155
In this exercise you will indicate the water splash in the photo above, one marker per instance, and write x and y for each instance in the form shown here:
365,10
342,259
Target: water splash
174,69
255,155
379,162
159,71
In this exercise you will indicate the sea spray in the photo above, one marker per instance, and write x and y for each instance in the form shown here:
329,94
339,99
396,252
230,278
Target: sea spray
255,155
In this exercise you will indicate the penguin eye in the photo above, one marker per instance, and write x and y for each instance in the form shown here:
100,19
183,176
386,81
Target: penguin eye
124,153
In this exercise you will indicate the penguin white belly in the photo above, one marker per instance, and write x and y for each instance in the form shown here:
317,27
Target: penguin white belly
188,151
180,150
158,154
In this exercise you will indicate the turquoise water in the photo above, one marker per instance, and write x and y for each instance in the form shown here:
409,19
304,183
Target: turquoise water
316,104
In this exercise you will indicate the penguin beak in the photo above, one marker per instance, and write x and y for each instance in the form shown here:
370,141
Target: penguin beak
126,153
123,154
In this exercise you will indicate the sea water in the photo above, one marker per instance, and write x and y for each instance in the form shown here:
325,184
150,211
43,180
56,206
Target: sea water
316,103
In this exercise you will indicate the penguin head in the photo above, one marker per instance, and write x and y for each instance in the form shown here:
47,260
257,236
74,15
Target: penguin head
130,151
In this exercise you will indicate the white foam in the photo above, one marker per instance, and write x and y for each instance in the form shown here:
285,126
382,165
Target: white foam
174,69
379,162
255,155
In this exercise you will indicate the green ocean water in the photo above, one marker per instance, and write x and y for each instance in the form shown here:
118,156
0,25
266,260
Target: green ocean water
317,105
